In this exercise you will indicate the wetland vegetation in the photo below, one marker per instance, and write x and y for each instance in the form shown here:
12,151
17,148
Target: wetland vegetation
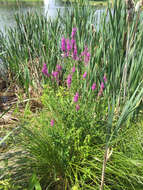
77,101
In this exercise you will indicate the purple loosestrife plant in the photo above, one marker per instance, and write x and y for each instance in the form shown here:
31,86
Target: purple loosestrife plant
45,70
59,68
86,55
76,97
52,122
75,52
102,85
87,58
69,80
73,33
63,44
93,86
73,69
100,92
55,74
105,78
68,45
77,107
72,43
101,89
84,75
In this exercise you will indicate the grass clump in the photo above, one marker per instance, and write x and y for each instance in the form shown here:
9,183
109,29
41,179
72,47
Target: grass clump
64,147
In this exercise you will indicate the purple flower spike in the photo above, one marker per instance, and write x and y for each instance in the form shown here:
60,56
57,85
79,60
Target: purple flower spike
69,80
45,70
63,44
102,85
59,68
55,74
76,97
93,86
52,122
68,45
75,52
77,107
72,43
73,69
84,75
85,49
82,53
100,92
73,33
105,79
87,57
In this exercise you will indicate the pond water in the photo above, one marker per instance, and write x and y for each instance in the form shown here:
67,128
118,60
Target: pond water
7,11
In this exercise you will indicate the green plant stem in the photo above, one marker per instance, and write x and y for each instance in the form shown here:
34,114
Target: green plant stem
104,167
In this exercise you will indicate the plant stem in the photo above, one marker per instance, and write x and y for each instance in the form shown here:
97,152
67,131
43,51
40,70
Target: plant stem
104,167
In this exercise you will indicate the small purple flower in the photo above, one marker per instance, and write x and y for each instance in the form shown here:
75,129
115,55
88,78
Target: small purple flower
63,44
45,70
72,43
76,97
55,74
85,51
84,75
102,85
93,86
68,45
87,57
101,89
77,107
100,92
75,52
105,79
73,33
59,68
82,53
73,69
52,122
69,80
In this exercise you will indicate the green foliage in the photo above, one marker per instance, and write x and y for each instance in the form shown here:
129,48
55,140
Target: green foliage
34,183
62,147
7,185
68,155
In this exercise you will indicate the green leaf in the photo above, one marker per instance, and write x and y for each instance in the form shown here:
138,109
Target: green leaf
34,183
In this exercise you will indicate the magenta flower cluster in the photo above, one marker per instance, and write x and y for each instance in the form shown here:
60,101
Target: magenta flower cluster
52,122
102,86
68,46
55,74
73,69
45,70
75,100
74,30
69,80
76,97
93,86
86,55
